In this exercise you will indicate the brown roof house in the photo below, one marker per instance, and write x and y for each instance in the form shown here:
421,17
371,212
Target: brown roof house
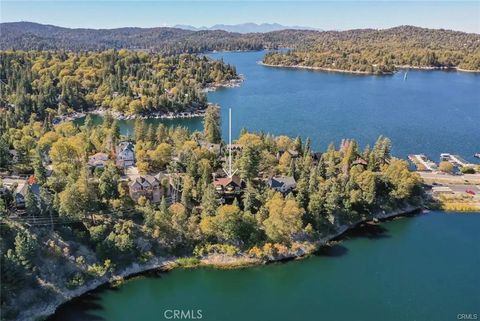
147,186
228,186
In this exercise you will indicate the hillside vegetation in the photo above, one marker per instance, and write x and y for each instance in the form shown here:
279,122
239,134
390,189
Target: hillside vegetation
56,83
361,50
382,51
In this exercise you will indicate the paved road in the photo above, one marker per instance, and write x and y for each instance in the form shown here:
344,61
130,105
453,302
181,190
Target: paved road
445,179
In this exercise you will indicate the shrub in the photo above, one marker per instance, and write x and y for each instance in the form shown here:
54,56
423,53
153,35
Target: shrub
208,249
187,261
76,281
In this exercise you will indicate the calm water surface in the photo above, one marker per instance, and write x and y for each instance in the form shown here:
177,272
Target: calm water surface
430,112
419,269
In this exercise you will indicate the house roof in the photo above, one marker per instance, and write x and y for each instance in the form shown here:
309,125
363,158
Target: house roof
224,181
99,156
279,181
145,181
126,146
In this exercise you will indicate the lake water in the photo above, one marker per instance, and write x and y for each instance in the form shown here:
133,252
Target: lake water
421,268
430,112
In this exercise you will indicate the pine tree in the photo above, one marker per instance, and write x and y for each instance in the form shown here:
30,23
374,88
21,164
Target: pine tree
39,170
250,198
210,202
4,153
249,162
139,129
211,125
108,182
31,203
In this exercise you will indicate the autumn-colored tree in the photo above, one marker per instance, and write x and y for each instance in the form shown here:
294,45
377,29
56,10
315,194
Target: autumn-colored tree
284,219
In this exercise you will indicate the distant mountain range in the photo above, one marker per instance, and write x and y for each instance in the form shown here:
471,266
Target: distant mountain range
167,40
25,35
246,27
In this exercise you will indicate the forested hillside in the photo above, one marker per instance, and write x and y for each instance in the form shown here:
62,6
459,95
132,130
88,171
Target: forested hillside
57,83
33,36
382,51
361,50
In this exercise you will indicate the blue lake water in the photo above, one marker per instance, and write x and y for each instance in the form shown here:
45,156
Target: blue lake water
423,268
430,112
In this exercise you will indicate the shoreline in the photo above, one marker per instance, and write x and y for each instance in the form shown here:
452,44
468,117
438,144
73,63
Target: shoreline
199,113
215,261
399,67
353,72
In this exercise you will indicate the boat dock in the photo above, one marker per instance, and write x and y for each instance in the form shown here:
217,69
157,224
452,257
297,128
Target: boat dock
422,162
456,160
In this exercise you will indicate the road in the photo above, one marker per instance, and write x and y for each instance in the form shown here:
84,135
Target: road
446,179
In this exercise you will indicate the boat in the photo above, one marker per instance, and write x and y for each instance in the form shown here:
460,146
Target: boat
405,76
477,155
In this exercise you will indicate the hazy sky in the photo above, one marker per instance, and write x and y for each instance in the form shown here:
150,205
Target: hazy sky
457,15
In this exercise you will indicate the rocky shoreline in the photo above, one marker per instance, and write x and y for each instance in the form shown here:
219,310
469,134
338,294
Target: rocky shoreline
42,311
324,69
367,72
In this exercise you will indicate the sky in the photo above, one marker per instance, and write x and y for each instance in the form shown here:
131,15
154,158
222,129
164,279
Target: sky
326,15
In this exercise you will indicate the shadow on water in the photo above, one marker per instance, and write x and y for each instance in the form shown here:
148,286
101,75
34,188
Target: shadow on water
367,230
335,250
82,308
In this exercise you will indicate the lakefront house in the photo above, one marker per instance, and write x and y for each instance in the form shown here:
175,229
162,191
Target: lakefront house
125,155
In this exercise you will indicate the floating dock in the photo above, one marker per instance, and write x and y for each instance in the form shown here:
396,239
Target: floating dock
456,160
422,162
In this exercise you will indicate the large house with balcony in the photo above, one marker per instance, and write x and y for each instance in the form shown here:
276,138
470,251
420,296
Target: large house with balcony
125,155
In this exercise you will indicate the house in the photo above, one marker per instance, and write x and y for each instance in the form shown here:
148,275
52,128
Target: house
283,184
147,186
228,186
125,155
292,153
18,186
99,160
214,148
234,147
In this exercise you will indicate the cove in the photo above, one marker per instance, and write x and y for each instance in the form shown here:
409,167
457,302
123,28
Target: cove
431,112
418,268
